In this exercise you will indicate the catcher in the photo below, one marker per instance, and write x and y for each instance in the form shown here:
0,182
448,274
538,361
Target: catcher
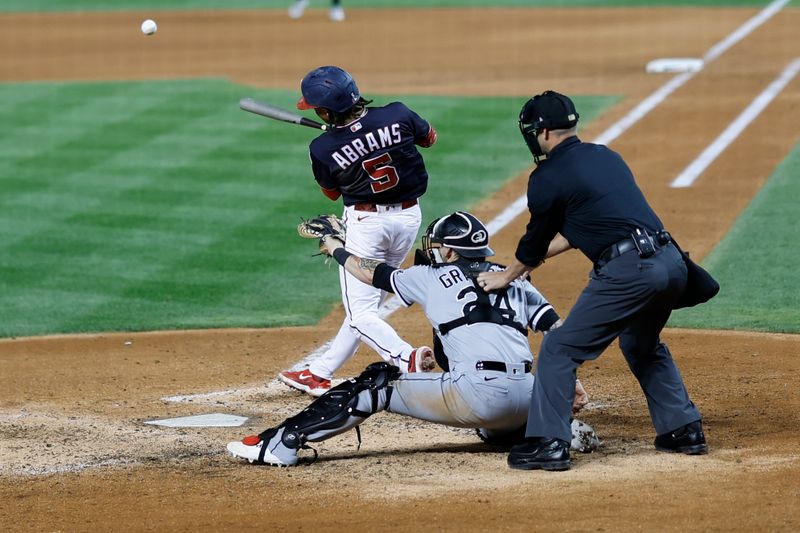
484,337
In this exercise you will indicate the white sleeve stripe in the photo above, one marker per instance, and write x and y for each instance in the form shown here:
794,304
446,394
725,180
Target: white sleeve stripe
394,288
538,315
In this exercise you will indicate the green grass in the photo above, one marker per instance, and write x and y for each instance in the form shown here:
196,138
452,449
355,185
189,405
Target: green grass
757,263
108,5
160,205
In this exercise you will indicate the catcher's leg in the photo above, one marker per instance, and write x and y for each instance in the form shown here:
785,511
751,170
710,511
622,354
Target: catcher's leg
464,399
338,410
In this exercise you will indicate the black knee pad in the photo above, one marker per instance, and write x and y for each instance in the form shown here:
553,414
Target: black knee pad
377,375
333,409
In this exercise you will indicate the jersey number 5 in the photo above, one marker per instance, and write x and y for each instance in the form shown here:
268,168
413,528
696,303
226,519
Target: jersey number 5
383,175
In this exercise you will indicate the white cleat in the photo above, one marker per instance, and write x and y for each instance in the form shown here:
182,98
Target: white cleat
297,8
249,448
336,14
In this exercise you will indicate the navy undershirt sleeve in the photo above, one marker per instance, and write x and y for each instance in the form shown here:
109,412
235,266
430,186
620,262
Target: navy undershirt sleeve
547,320
382,277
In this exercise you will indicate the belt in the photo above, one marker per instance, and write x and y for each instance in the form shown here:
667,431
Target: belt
626,245
616,250
374,207
498,366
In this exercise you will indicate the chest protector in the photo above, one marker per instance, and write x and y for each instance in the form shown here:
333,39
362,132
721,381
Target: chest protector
482,309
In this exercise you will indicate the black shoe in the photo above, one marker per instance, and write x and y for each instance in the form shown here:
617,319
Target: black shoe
540,453
688,439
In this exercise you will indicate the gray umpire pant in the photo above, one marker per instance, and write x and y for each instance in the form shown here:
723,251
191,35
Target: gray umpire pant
630,298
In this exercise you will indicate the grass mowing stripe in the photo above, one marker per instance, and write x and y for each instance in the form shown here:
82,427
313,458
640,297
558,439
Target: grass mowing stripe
188,220
113,149
756,263
222,240
62,107
150,5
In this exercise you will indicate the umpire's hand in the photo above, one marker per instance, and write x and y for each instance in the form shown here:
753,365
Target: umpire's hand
490,281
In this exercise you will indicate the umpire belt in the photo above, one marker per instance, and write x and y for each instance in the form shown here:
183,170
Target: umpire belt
510,368
615,250
384,207
626,245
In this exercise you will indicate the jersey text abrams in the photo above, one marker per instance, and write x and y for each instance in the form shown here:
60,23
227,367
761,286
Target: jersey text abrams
366,144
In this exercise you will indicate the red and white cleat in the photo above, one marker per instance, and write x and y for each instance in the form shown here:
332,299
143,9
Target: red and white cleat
422,360
304,380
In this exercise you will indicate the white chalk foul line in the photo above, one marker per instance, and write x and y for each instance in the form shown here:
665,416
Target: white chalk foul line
183,398
651,102
745,29
520,204
713,150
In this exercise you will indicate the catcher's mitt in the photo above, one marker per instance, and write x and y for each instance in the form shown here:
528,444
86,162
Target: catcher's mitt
322,226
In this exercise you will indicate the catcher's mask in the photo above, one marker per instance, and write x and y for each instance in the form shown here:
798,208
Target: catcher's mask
549,110
461,231
329,87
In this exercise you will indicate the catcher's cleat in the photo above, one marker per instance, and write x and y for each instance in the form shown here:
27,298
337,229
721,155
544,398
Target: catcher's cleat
421,360
688,439
304,380
252,449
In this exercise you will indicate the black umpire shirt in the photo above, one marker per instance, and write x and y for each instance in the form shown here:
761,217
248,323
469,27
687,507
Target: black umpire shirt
587,193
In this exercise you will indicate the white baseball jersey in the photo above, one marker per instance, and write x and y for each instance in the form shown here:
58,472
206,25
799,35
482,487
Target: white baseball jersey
447,293
467,395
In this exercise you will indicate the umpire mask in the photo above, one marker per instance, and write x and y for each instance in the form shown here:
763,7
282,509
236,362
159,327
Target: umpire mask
549,110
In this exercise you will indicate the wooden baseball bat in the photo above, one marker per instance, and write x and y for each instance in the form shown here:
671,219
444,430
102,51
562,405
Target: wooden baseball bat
277,113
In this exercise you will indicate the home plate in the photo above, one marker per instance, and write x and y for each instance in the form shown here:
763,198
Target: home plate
197,421
674,64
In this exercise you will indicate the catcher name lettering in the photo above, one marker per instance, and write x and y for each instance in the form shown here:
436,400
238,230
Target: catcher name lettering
366,144
450,278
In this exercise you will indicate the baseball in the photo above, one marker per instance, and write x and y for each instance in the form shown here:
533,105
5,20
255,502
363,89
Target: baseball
149,27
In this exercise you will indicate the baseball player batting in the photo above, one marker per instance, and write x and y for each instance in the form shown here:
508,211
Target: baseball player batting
484,335
368,157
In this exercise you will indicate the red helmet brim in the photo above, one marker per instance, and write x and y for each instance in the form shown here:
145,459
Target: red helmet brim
303,105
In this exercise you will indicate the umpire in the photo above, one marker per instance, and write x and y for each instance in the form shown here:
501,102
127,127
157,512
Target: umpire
584,196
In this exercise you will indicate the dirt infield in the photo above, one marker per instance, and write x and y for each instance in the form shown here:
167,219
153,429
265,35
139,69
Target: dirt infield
76,456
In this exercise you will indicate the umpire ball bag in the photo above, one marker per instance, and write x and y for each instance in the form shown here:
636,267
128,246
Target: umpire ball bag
700,285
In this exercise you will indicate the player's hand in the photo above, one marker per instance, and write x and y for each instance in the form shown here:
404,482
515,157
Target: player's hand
328,244
323,227
581,397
